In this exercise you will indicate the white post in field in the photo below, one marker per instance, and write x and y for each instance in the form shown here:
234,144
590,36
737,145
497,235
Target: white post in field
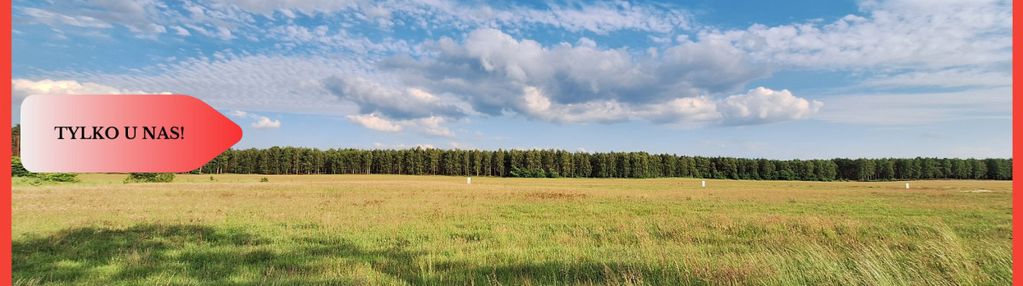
468,180
907,186
703,184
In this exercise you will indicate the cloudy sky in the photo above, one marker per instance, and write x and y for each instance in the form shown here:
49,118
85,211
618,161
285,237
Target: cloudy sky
795,79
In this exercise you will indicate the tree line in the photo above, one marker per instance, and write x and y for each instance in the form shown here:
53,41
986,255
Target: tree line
560,163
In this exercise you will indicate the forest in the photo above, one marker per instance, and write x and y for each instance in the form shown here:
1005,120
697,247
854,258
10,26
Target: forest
559,163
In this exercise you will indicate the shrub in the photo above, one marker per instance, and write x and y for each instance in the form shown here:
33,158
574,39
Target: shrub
18,170
528,173
264,180
58,177
149,178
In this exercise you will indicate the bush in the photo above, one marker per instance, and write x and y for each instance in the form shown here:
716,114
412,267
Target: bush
528,173
264,180
149,178
18,170
58,177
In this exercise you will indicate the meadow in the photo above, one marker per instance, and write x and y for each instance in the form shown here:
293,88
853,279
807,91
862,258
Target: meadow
436,230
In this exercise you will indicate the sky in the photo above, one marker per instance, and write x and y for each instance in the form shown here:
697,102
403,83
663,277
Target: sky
789,80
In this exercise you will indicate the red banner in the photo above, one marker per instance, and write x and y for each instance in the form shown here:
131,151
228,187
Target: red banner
122,133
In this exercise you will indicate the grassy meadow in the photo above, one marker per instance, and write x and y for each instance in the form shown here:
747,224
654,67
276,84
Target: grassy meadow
419,230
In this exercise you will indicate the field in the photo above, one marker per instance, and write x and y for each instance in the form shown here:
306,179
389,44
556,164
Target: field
378,229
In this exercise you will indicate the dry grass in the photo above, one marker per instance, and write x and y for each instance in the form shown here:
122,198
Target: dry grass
380,229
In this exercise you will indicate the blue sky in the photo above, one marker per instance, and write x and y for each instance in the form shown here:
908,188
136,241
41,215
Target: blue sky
795,79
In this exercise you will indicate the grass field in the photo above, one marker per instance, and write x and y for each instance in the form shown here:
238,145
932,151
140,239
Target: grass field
377,229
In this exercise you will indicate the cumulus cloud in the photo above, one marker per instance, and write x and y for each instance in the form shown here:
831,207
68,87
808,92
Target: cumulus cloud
21,88
757,106
375,122
698,80
306,85
379,145
685,111
258,121
390,109
489,73
496,73
763,105
238,113
373,97
263,122
496,67
431,126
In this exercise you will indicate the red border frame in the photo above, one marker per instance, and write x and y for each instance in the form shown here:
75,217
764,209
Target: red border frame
1017,141
5,138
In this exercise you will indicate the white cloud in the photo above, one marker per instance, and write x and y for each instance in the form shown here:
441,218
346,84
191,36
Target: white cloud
258,121
430,126
239,113
536,104
263,122
54,19
494,67
378,145
306,85
684,80
224,33
242,82
685,111
181,31
144,18
758,106
915,34
232,19
763,105
321,37
375,122
496,73
136,16
490,73
598,18
374,97
21,88
310,7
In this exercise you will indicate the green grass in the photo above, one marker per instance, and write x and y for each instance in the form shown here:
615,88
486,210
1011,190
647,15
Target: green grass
402,230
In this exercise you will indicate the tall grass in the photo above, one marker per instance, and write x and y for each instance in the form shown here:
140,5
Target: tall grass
401,230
